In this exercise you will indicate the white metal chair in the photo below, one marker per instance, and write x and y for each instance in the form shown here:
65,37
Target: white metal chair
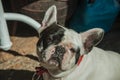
5,42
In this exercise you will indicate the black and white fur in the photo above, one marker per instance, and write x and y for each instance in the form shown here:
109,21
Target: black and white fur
59,49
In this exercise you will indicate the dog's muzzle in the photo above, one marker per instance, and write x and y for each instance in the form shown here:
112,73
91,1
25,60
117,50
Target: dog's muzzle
57,57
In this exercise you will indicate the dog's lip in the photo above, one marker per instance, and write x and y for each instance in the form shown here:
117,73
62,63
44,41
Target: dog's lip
53,62
48,66
51,67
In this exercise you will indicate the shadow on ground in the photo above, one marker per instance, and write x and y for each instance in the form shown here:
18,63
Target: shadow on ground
15,74
15,53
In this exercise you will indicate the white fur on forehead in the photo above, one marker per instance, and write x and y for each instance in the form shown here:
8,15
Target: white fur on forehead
72,37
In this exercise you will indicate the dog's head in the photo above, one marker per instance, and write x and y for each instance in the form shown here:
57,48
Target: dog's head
59,48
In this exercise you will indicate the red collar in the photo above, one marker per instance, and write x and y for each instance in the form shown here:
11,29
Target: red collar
40,70
80,59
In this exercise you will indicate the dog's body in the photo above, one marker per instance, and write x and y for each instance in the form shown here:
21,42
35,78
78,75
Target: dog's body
97,65
68,55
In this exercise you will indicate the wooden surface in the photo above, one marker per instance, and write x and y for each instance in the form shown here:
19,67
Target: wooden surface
21,46
20,61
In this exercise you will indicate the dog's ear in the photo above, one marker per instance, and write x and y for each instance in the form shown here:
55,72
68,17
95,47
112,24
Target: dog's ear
91,38
49,18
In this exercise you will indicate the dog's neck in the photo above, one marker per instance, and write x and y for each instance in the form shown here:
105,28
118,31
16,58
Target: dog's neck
62,74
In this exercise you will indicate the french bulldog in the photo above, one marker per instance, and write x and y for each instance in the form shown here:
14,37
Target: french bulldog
68,55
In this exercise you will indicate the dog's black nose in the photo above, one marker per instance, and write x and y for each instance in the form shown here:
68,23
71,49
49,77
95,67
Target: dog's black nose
59,52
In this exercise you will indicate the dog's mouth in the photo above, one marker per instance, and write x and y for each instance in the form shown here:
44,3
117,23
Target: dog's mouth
54,61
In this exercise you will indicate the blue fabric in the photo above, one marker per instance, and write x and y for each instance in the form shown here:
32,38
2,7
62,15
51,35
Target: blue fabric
100,13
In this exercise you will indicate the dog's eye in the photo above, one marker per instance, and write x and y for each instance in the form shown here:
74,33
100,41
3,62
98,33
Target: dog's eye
49,39
72,50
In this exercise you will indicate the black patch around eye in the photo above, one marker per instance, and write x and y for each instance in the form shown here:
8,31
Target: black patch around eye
72,50
77,55
52,35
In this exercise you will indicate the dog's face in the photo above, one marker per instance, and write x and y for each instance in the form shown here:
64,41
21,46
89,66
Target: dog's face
59,48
